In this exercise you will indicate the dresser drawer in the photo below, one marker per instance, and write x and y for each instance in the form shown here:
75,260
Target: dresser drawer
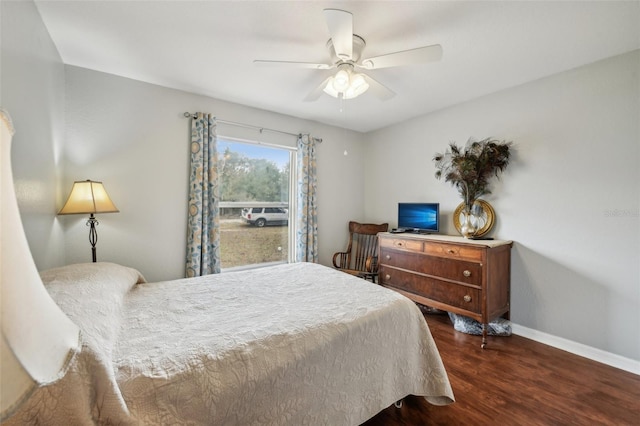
454,251
402,244
453,269
452,294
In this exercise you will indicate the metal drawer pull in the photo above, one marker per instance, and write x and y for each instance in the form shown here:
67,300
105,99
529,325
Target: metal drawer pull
466,273
467,298
387,277
451,251
387,257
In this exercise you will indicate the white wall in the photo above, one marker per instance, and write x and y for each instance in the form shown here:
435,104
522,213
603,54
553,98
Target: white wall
32,90
570,199
133,137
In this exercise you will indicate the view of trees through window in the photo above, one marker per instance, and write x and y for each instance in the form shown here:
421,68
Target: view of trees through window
254,181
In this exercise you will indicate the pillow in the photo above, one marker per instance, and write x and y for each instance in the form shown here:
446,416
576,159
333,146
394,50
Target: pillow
92,296
121,276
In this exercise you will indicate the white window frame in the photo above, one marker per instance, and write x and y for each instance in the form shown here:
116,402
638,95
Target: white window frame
293,197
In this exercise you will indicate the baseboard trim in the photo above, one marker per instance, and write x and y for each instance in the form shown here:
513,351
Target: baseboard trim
580,349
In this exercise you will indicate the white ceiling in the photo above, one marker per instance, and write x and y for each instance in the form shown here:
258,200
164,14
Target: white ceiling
208,47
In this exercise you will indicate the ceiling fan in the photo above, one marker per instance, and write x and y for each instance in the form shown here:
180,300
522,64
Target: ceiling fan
345,50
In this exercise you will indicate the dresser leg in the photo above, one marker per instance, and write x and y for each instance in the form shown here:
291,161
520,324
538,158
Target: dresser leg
484,336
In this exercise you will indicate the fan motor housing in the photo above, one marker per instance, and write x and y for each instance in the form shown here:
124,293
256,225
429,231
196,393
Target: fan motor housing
358,47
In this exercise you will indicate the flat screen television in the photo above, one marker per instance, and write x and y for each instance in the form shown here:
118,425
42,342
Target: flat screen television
419,217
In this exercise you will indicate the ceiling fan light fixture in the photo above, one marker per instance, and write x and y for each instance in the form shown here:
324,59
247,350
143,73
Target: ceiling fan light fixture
350,87
358,85
329,89
341,81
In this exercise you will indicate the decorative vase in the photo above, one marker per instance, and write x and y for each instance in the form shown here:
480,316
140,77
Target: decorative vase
469,225
482,217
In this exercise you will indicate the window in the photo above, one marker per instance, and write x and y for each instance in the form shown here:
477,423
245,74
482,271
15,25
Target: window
255,207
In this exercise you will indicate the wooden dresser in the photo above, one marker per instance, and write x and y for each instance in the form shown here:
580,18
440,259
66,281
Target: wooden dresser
454,274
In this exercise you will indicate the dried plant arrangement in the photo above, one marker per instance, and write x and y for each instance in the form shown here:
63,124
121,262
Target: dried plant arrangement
471,168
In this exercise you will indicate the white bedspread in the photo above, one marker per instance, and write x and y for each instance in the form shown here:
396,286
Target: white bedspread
290,344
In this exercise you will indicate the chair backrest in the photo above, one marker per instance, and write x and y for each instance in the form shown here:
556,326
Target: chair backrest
363,245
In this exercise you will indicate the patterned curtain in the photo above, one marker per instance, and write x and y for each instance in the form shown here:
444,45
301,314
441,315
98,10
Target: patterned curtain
307,213
203,227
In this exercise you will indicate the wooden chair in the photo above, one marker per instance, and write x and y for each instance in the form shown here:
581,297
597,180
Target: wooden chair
361,256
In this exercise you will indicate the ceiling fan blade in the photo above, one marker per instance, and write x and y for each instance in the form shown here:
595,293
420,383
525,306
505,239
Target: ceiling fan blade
378,89
340,24
317,92
419,55
292,64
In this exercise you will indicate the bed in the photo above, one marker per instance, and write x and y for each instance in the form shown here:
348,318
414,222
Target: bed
288,344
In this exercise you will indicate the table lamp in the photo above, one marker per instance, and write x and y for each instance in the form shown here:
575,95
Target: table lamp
89,197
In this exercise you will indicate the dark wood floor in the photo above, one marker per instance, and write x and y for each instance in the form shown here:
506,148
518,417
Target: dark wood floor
516,381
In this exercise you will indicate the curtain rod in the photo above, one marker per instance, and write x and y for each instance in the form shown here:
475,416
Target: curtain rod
249,126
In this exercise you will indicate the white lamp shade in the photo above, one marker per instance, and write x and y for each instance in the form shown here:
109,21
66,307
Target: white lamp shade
38,339
341,81
357,87
88,197
329,89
